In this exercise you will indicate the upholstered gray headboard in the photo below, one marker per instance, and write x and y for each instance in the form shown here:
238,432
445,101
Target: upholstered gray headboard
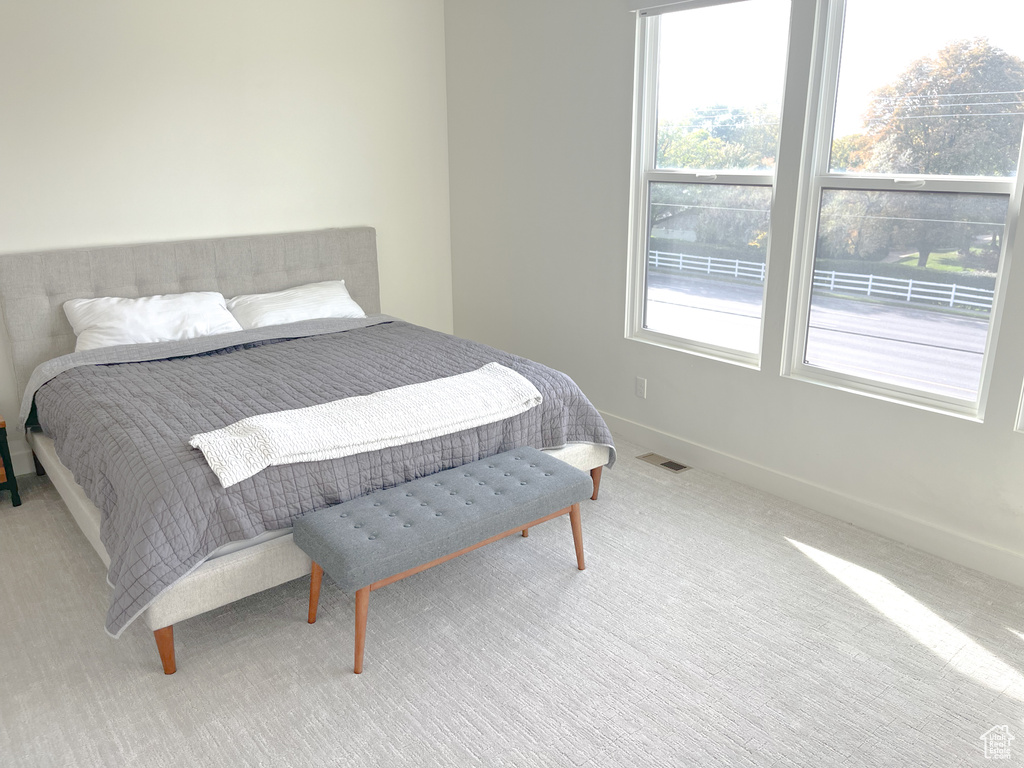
34,286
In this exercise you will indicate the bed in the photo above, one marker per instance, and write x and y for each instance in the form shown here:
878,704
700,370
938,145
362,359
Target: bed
239,558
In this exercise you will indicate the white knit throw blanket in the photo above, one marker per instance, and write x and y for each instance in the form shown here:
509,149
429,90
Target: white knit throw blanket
367,423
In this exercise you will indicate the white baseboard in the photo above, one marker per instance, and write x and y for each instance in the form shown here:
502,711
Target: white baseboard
893,524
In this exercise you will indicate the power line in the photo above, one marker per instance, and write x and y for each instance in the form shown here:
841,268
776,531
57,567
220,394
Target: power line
960,104
723,109
926,117
910,218
710,207
948,93
714,132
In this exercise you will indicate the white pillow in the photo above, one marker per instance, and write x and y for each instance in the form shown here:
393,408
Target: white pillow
105,322
305,302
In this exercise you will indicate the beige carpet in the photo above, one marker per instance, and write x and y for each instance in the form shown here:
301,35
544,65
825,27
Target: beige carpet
714,625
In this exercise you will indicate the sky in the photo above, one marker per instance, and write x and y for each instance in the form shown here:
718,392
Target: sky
735,53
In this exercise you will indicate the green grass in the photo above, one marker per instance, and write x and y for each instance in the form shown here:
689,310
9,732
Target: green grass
941,261
945,261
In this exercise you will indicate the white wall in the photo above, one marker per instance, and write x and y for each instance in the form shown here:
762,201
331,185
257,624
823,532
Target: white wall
540,105
136,120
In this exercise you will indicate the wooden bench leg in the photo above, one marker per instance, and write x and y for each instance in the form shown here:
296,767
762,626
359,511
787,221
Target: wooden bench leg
595,475
526,532
577,534
316,576
362,608
165,645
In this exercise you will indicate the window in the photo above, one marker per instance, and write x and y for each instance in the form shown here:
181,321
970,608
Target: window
903,123
908,201
708,129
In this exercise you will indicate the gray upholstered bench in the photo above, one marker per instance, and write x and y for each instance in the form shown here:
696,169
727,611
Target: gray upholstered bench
377,539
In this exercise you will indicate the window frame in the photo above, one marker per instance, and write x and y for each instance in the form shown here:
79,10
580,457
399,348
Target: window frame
816,175
645,171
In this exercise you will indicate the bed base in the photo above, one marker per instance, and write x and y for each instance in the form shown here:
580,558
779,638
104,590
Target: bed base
226,576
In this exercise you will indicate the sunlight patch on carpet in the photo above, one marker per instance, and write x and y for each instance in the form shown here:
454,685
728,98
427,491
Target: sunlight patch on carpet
935,633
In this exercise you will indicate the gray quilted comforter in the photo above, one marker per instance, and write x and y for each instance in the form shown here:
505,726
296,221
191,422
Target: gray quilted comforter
122,422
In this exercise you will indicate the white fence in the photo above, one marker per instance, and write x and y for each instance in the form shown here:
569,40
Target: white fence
707,265
920,291
893,288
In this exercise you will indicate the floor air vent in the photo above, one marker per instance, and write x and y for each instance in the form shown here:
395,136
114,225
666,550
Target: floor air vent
661,461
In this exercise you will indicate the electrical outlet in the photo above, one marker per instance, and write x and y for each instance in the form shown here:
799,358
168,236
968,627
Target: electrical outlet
641,387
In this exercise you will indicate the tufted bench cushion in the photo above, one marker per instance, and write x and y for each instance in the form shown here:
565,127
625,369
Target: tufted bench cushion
379,538
386,532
